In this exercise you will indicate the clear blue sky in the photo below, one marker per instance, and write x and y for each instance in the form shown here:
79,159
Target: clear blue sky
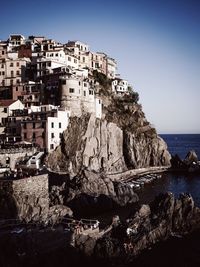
156,45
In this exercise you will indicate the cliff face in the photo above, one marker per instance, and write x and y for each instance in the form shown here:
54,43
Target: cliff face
121,140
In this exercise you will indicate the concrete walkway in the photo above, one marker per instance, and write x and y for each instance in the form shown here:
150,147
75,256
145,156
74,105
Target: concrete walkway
136,172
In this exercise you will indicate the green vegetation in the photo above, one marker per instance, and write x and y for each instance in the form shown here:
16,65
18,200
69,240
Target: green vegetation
102,79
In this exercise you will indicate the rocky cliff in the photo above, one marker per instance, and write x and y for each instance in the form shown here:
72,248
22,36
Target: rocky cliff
121,140
90,193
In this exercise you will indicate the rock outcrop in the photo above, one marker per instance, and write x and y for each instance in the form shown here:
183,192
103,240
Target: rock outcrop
149,224
189,164
28,199
89,193
191,157
108,145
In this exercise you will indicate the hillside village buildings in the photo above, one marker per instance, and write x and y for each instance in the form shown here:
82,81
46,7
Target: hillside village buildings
44,82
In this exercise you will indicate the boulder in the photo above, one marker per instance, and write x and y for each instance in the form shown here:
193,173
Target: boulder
191,157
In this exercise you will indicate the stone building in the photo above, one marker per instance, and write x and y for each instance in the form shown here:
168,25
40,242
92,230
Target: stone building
78,96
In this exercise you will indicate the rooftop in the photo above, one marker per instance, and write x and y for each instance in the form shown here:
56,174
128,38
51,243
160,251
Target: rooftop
7,102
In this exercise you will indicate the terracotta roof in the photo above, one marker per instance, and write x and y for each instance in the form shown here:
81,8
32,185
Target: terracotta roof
6,102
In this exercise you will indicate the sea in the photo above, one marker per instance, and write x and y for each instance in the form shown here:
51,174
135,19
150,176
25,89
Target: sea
176,183
181,144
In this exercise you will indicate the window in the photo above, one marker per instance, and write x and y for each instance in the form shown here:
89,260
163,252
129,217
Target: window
25,135
24,125
60,135
33,135
33,125
90,92
16,88
3,52
51,146
69,58
11,82
52,125
11,64
12,73
63,82
17,64
5,110
75,60
52,135
71,90
59,124
84,93
85,84
83,59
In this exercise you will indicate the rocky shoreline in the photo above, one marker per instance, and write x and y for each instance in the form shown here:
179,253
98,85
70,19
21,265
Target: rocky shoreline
166,218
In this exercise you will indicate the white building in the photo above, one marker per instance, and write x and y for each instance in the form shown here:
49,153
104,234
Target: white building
111,68
55,126
98,108
55,55
71,61
119,86
81,51
16,40
6,108
46,66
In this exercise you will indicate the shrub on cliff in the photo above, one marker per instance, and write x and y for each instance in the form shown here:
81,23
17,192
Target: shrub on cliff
102,79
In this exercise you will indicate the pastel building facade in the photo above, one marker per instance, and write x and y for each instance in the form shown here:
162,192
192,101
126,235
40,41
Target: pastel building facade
44,126
30,93
13,71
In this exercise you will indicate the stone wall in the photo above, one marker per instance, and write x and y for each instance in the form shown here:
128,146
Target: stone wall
26,198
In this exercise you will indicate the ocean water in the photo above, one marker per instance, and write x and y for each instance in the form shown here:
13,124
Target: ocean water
181,144
176,183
